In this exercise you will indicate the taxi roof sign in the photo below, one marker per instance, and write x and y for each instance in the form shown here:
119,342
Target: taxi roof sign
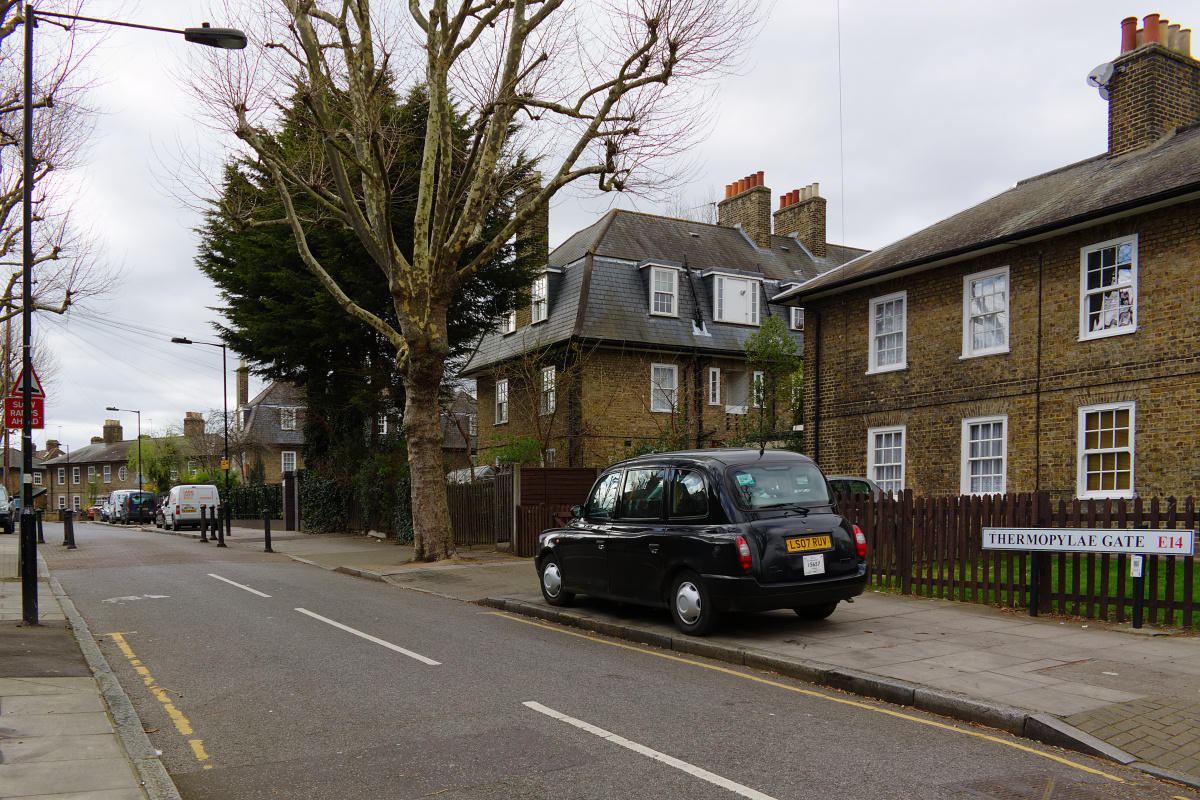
19,385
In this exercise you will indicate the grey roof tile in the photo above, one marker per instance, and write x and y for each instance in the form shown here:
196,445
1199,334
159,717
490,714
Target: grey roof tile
1076,193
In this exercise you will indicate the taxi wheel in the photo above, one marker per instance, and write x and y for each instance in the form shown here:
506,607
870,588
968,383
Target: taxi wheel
691,606
551,581
816,612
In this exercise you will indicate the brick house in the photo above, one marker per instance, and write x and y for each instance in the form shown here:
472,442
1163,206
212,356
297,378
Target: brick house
637,327
98,468
1045,339
272,426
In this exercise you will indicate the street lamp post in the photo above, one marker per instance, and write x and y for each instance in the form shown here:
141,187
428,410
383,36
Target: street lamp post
227,38
224,400
131,411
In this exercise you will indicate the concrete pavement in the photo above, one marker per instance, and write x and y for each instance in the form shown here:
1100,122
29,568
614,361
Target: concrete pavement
1083,685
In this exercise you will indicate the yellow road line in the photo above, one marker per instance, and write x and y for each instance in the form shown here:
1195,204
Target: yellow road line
809,692
182,724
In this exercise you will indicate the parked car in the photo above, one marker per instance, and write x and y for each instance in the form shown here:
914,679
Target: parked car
183,505
6,512
94,512
705,532
134,506
848,486
105,511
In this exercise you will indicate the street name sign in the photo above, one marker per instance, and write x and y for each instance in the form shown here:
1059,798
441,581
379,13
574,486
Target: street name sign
1169,542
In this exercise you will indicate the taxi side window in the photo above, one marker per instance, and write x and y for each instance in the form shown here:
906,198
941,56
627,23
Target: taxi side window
688,496
642,494
603,501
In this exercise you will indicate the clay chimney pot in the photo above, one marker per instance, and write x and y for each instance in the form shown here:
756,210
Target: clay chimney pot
1149,28
1128,34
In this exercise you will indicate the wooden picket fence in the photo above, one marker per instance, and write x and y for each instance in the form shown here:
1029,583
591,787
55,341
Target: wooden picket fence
931,547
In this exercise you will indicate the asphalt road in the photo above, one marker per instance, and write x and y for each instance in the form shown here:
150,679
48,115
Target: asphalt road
255,677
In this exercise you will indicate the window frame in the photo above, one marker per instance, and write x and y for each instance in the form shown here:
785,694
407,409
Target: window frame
673,293
757,389
968,349
62,476
288,418
965,462
123,474
501,404
37,478
107,472
76,503
720,283
1084,293
62,502
539,302
1082,452
91,472
508,323
283,460
671,396
873,367
796,319
872,465
547,390
75,473
714,386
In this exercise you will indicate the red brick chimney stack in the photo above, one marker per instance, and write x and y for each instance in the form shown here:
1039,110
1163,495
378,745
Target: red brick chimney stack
802,214
1155,85
747,204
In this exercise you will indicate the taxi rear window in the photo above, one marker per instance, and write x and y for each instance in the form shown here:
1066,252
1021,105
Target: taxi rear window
761,486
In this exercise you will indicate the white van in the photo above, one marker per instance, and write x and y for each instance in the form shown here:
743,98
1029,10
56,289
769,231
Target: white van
183,505
115,501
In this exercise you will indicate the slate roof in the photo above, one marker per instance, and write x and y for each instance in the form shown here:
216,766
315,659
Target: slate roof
1081,193
115,453
610,305
265,422
16,459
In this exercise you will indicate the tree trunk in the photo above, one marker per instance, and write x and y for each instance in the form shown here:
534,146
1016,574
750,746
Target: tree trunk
432,536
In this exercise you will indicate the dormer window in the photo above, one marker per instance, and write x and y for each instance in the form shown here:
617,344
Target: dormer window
508,323
538,307
664,292
736,300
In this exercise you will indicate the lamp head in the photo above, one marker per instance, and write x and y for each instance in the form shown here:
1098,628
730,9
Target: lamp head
225,38
181,340
111,408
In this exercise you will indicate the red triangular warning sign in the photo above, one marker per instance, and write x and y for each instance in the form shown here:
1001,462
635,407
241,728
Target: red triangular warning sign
18,387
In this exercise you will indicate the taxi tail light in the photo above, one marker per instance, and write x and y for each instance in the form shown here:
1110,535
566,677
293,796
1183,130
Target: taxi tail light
743,551
860,541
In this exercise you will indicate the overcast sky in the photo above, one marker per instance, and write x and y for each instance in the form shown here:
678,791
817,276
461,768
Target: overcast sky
939,105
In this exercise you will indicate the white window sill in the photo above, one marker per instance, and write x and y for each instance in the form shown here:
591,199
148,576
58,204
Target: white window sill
1107,495
537,322
743,324
496,424
982,353
889,368
663,314
662,411
1089,337
735,409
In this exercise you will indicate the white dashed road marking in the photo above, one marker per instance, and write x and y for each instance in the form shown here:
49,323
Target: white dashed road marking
690,769
240,586
371,638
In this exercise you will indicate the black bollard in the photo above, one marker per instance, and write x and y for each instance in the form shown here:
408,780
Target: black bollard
218,513
203,525
267,531
69,530
41,538
228,520
1137,571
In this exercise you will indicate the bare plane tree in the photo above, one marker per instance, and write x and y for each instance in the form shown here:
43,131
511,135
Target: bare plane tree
603,92
66,269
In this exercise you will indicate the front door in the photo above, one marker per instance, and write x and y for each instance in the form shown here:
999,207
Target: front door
582,546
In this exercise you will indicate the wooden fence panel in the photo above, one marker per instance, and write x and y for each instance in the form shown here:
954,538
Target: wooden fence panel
930,547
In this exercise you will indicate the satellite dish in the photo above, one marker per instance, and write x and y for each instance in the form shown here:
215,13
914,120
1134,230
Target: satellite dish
1101,75
1103,92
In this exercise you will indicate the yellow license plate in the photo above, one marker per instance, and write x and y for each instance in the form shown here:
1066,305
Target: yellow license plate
808,543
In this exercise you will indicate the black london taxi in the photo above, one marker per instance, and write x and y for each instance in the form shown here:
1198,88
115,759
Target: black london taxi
704,532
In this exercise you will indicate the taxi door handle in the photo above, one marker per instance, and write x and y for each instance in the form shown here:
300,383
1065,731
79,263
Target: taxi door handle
653,549
600,545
